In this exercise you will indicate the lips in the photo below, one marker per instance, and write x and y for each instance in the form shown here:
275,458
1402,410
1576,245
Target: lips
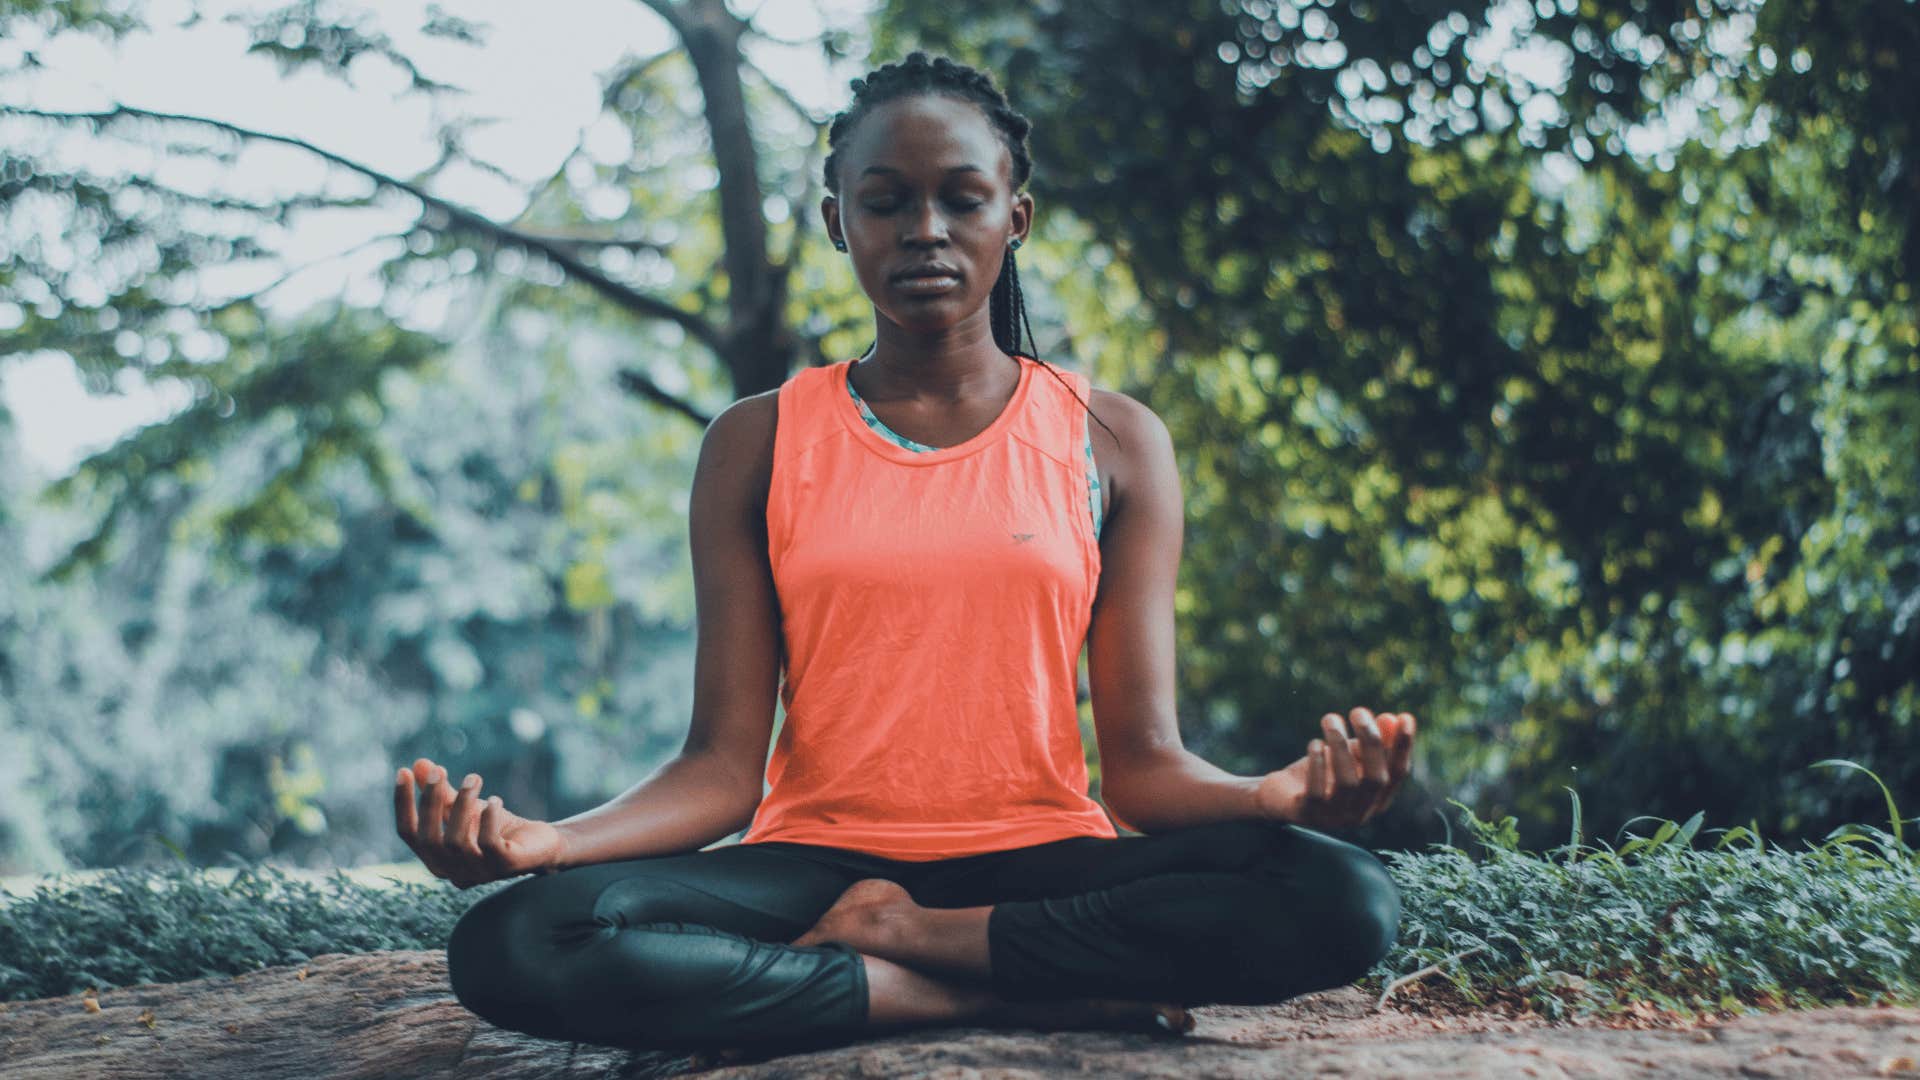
927,270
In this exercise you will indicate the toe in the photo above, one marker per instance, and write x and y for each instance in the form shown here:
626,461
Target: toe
1174,1019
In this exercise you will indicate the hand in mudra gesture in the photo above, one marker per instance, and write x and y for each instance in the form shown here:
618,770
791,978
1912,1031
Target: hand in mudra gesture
464,838
1346,777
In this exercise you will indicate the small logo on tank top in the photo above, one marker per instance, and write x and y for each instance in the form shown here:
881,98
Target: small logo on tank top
1021,538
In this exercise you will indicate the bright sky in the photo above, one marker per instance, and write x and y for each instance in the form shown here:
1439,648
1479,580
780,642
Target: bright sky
538,75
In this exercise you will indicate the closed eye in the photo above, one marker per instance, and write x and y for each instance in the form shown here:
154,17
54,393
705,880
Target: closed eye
957,204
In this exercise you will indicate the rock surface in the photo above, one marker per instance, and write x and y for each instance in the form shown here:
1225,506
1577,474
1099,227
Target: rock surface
391,1015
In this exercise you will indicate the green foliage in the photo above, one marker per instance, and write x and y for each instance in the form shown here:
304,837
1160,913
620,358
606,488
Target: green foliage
127,927
1583,930
1577,930
1592,441
312,389
1594,458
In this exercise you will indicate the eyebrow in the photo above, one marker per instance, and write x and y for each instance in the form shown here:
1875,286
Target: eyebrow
891,169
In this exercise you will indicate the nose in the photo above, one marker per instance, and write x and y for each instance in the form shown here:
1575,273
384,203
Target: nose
924,224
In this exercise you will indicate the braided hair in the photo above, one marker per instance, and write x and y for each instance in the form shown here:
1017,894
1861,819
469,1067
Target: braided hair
921,74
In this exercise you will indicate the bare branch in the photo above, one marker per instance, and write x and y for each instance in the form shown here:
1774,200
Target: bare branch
273,209
670,11
636,382
1430,969
775,39
782,93
598,243
458,217
295,271
630,74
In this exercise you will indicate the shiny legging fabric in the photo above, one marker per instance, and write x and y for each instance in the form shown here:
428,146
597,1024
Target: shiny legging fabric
688,951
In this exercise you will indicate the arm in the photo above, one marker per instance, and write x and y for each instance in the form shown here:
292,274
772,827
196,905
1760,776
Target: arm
712,787
1148,780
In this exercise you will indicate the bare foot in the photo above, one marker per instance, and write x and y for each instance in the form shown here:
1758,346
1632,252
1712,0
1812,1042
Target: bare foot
713,1059
863,916
1080,1014
1092,1014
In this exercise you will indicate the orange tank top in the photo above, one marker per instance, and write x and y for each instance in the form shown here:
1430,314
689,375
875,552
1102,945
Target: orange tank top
933,608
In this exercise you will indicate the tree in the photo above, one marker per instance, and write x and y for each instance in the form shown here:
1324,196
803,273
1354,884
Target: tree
366,536
110,291
1493,404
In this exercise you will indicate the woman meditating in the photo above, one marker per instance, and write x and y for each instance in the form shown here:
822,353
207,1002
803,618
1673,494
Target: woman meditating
922,541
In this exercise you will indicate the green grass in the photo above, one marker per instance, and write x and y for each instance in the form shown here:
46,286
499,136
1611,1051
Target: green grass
1585,930
127,927
1578,930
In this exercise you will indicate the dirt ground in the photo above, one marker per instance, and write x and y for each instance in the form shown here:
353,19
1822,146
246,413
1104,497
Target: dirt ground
390,1015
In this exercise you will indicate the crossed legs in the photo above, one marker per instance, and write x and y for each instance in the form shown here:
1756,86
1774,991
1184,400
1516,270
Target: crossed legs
805,945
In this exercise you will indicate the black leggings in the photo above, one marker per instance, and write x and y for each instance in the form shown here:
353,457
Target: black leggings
687,951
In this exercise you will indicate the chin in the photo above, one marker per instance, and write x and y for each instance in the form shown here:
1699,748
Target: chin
928,321
938,313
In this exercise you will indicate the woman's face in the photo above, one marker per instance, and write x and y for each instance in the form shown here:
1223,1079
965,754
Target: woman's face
925,187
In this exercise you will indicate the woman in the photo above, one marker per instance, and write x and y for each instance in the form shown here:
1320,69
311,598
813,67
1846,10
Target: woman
926,537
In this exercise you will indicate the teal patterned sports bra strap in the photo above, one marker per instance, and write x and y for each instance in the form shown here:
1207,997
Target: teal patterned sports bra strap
874,422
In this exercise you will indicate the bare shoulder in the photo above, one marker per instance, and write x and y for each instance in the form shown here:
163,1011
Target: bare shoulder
1127,416
749,420
736,453
1130,441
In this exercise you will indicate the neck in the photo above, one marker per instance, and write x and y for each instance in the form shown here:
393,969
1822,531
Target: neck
958,363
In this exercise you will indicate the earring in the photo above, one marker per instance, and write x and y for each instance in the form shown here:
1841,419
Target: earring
1014,243
839,245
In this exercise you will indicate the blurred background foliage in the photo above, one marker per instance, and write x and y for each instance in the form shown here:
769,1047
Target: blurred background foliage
1550,370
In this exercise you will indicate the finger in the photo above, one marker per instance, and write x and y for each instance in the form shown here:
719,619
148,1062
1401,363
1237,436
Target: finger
1370,759
406,811
1333,730
423,770
1358,720
463,825
1370,747
1332,797
1345,768
433,816
493,818
1318,779
1401,761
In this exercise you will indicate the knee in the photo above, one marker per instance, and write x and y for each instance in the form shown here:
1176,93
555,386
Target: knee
1343,891
490,955
1362,907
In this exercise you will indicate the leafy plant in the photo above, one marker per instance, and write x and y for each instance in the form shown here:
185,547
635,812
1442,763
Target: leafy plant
1582,929
130,926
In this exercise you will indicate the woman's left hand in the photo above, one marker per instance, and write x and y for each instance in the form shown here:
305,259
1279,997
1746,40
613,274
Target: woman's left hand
1346,777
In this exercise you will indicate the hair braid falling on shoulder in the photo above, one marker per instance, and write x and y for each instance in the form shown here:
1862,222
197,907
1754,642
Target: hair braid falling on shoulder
920,74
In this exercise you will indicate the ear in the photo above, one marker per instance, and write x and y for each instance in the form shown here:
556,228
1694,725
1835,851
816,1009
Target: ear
1020,219
830,215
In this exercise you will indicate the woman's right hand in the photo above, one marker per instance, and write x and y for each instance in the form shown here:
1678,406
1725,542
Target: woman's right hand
465,839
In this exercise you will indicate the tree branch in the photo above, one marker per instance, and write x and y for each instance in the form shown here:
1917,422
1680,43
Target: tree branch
458,217
294,271
783,94
598,243
637,383
633,72
756,290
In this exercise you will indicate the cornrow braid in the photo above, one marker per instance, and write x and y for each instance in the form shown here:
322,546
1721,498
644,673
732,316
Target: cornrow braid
921,74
